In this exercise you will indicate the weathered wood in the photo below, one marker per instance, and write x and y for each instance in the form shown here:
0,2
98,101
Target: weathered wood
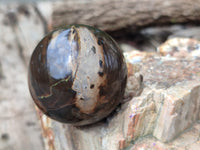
116,14
20,30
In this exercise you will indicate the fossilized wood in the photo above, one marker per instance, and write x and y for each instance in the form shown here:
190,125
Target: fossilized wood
167,107
116,14
20,30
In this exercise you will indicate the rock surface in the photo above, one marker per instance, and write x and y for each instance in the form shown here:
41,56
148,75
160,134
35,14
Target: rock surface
20,31
188,140
162,113
117,14
181,48
168,106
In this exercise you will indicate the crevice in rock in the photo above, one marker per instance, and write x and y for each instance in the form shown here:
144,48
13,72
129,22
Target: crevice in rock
20,49
159,110
150,37
13,21
44,21
73,137
1,72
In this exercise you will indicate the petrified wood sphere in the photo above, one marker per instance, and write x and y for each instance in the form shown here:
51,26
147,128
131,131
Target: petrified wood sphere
77,75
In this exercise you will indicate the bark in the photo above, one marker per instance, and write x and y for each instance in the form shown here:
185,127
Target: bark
116,14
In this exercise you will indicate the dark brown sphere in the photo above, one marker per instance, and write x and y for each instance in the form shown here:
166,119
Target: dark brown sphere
77,75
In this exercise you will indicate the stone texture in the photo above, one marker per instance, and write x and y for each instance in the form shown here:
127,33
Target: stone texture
164,108
130,14
180,47
192,32
20,30
168,106
188,140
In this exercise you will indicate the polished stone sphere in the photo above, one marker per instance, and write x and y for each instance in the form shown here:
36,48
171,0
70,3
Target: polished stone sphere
77,75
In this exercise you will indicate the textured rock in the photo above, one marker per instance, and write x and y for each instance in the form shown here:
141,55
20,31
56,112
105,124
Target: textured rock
19,128
188,140
192,32
166,111
168,105
117,14
180,47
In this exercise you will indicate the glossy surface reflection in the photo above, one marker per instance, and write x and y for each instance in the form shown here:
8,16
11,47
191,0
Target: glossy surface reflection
77,75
